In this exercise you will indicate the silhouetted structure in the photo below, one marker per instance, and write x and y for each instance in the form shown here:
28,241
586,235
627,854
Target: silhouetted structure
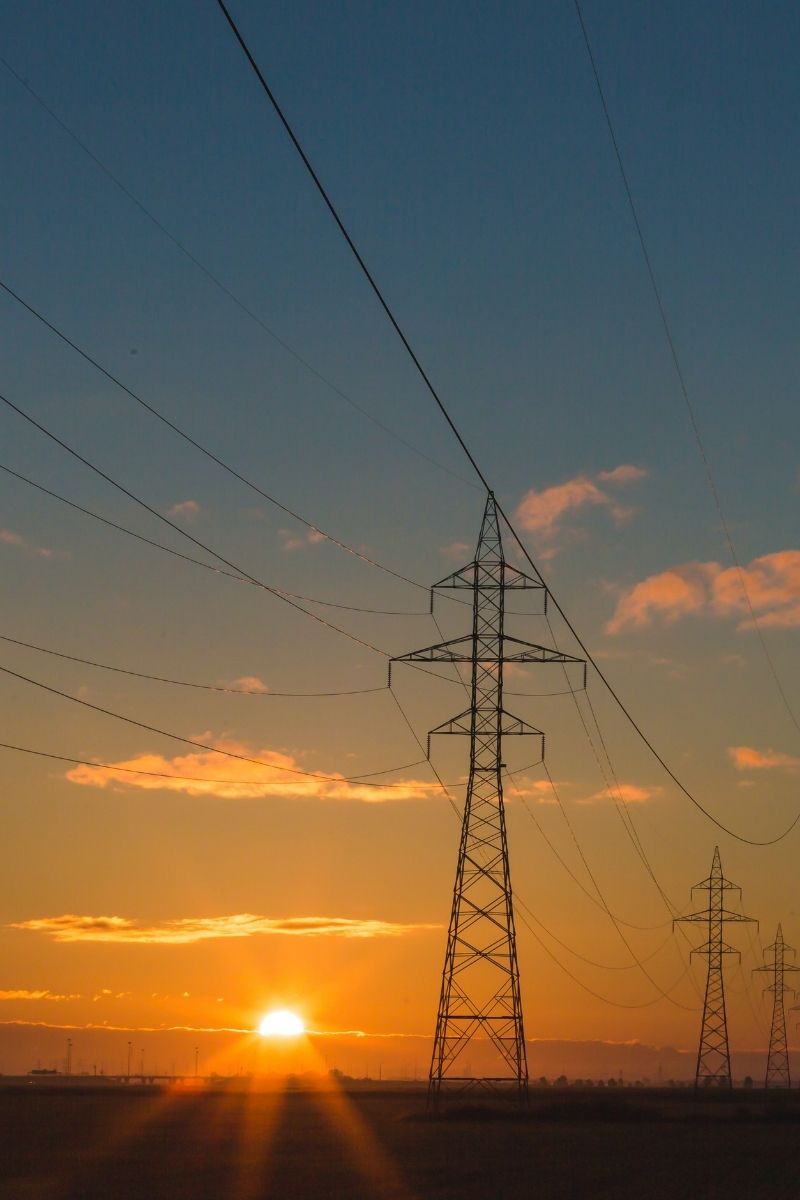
713,1055
778,1057
480,994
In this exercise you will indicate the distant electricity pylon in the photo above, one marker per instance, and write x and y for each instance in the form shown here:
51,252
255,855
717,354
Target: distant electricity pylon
778,1057
713,1055
480,993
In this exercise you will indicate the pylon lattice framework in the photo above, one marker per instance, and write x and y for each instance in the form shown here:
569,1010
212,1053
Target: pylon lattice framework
713,1055
778,1057
480,992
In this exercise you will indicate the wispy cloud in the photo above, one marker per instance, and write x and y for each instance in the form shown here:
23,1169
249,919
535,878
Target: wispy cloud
9,538
544,512
628,793
70,927
747,758
247,683
293,541
538,790
706,588
39,994
185,509
204,773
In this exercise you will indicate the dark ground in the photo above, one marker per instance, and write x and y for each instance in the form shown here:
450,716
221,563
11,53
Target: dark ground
86,1143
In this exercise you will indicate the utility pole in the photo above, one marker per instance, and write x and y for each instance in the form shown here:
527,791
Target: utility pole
480,990
778,1057
713,1055
130,1044
68,1070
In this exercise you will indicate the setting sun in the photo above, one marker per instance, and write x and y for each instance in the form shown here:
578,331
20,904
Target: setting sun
281,1023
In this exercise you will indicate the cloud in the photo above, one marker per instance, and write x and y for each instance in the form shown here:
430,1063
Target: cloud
540,790
205,773
626,473
747,758
543,512
290,541
185,930
772,583
42,994
626,793
187,509
247,683
9,538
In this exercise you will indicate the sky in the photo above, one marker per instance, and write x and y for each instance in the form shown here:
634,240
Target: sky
158,216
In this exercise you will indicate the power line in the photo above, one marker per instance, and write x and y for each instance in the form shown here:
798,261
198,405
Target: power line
568,869
217,282
205,687
184,533
591,991
87,512
456,433
356,780
199,446
103,766
662,311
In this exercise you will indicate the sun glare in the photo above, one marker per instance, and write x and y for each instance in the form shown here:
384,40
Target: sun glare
281,1023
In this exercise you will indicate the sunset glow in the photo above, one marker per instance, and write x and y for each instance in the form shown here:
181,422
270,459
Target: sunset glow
281,1023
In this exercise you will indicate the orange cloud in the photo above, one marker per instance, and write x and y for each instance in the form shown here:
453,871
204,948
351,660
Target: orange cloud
204,773
628,793
247,683
541,512
26,994
70,927
772,583
747,758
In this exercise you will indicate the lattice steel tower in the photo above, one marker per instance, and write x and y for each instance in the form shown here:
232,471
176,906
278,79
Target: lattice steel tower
480,993
778,1057
713,1055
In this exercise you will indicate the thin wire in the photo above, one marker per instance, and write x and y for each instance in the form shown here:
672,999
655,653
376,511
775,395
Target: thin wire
456,433
602,898
199,446
356,780
570,872
205,687
591,991
87,512
590,962
679,370
223,287
190,537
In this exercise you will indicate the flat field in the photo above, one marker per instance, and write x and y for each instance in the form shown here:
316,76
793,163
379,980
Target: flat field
76,1143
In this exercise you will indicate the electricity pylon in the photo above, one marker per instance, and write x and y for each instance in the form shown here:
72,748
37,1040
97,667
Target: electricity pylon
480,992
778,1057
713,1055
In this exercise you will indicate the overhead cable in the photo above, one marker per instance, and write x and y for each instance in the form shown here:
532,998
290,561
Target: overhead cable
462,443
355,780
217,282
183,532
684,390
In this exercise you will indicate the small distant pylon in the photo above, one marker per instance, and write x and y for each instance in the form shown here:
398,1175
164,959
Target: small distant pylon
713,1055
778,1058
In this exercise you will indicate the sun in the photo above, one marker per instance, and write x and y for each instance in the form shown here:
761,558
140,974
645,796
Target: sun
281,1023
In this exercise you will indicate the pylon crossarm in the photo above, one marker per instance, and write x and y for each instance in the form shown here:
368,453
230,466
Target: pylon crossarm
507,577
